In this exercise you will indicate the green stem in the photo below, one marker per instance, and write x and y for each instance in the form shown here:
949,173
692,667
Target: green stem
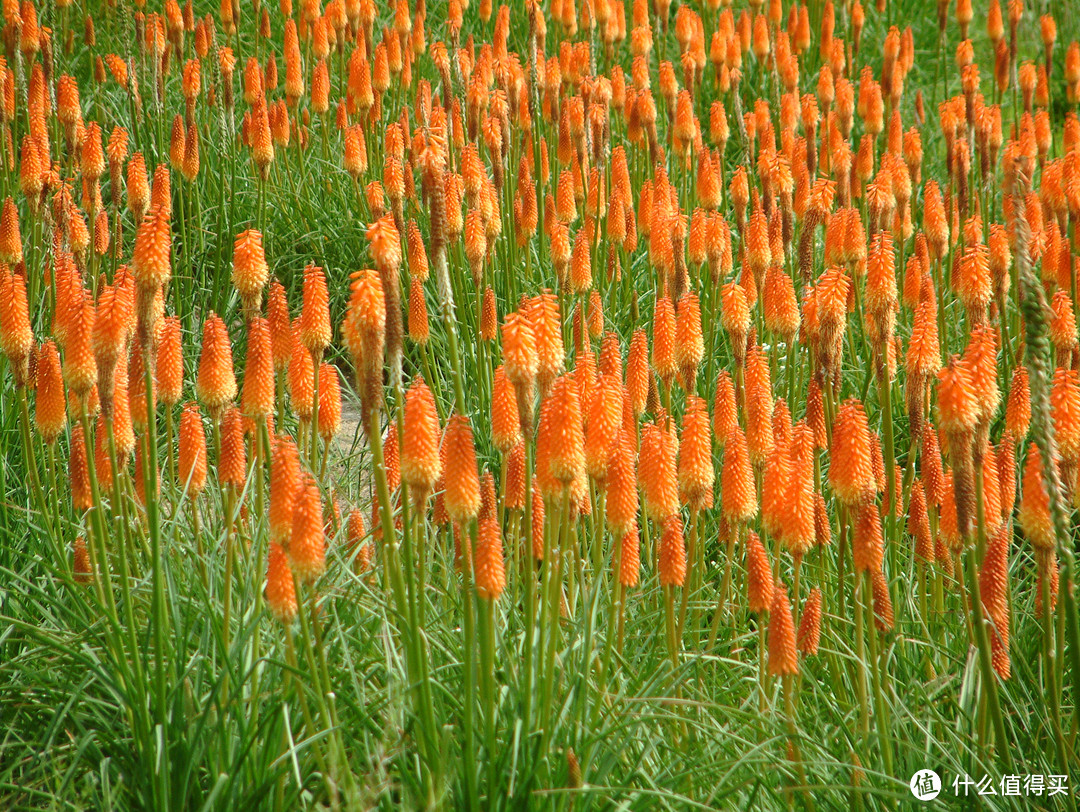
986,668
486,612
472,798
158,609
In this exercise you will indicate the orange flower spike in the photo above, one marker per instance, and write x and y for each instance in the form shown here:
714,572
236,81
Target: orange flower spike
622,491
567,441
1065,412
972,281
629,552
30,172
637,371
68,110
1062,323
993,578
364,332
536,532
759,578
880,295
948,521
392,463
257,397
958,407
545,480
980,358
992,490
250,272
307,540
280,588
696,244
561,252
520,357
672,552
418,260
884,616
111,323
696,474
689,344
284,482
122,416
657,473
740,194
919,523
79,472
514,490
176,144
1034,511
808,637
1018,405
488,315
783,654
759,432
735,317
101,233
138,188
797,523
1000,257
505,419
867,542
50,405
192,452
781,308
935,221
261,139
170,369
547,326
329,414
385,244
783,430
151,258
933,475
1006,476
581,263
725,413
80,367
419,329
758,253
216,384
81,566
738,494
462,482
775,488
232,466
815,414
16,334
610,362
315,329
851,469
923,357
663,359
602,428
421,465
280,323
475,244
490,567
10,238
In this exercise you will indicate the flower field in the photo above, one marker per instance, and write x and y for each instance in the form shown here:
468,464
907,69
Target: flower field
581,404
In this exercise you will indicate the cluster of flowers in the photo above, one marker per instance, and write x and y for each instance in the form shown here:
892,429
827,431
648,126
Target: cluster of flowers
754,273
